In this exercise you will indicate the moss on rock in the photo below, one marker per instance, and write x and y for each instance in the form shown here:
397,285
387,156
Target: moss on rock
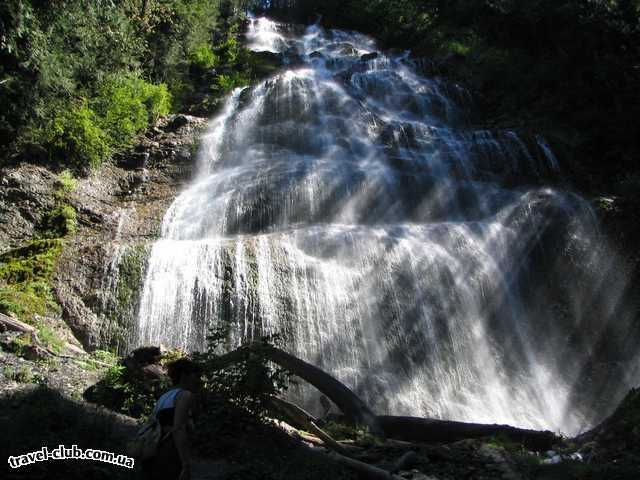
122,295
25,279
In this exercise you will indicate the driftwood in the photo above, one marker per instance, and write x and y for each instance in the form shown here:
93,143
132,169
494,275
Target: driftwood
412,429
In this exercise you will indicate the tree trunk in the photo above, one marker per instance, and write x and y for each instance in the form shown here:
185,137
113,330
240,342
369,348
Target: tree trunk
308,422
15,325
412,429
347,401
416,429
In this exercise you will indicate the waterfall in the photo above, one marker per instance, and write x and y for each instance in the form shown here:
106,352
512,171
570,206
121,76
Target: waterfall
345,204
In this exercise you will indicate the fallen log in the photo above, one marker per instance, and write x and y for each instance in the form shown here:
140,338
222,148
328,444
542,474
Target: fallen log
347,401
364,470
14,325
307,421
294,432
417,429
411,429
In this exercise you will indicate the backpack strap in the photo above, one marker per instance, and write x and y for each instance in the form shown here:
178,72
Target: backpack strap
167,400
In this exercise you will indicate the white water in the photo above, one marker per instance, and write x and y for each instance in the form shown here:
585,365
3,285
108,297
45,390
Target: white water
344,205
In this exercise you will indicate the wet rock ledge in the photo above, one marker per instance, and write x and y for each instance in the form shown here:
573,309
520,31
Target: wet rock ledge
119,208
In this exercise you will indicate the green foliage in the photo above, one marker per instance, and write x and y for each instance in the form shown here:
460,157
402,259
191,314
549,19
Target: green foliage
180,34
114,376
233,80
119,393
54,52
61,221
25,276
502,441
19,343
341,431
126,104
171,356
124,393
204,57
248,383
74,136
49,363
234,423
66,81
24,374
230,49
66,182
87,133
26,272
50,338
104,356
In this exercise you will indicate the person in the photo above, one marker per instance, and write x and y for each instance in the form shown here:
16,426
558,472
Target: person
174,411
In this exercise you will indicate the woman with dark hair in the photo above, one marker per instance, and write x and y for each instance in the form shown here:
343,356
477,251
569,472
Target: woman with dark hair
173,411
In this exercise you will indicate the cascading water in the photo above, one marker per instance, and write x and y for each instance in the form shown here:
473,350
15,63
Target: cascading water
343,204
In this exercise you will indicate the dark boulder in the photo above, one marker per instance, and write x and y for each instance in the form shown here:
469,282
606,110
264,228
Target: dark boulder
177,123
265,63
369,56
142,357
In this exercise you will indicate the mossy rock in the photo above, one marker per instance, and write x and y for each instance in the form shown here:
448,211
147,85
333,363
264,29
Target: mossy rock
25,278
119,303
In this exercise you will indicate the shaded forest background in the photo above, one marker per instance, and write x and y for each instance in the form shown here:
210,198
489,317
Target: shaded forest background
79,79
569,69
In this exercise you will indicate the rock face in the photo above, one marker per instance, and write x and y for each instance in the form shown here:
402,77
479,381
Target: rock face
119,211
26,194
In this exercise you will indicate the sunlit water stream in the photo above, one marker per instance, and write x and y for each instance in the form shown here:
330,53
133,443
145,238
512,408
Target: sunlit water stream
344,204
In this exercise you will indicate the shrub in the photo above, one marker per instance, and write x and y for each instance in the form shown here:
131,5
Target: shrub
66,182
75,136
20,375
230,49
247,384
233,80
58,50
61,221
50,338
124,393
105,356
126,104
203,57
20,343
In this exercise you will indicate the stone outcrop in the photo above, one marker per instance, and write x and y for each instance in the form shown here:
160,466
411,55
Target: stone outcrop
26,195
119,208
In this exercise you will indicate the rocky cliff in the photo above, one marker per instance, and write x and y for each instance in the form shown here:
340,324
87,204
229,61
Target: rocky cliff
119,209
